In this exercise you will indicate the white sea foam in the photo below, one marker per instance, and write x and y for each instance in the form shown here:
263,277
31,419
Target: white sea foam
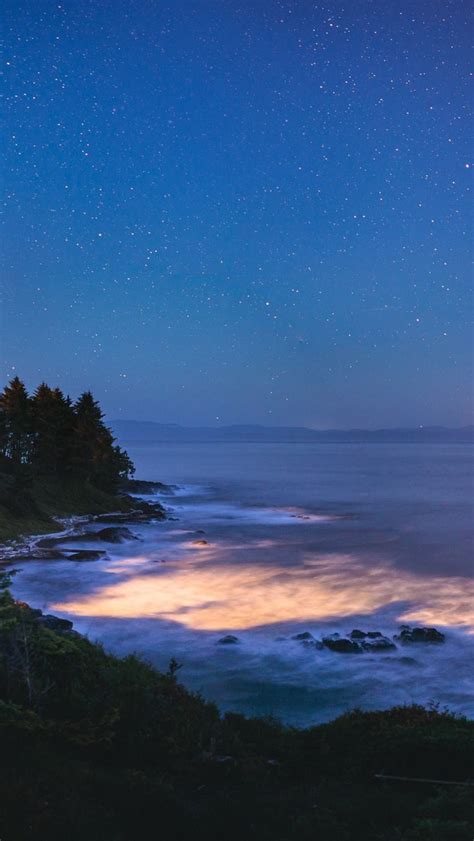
218,512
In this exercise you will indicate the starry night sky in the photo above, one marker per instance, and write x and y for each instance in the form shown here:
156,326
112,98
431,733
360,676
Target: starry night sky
229,211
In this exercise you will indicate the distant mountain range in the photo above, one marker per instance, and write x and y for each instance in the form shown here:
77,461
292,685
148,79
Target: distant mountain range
149,432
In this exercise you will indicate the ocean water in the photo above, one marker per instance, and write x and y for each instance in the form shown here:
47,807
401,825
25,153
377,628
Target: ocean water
298,537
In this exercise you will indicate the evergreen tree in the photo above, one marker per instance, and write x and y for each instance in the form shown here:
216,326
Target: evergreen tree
3,434
94,455
15,406
48,435
53,425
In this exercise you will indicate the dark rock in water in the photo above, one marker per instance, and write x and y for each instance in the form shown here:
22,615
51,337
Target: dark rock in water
341,645
358,635
229,639
199,531
378,644
86,555
141,486
36,554
307,640
409,635
372,640
50,554
407,661
54,623
362,635
200,543
112,534
115,534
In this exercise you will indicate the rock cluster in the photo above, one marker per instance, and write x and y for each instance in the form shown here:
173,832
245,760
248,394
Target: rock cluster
374,642
53,548
307,639
409,635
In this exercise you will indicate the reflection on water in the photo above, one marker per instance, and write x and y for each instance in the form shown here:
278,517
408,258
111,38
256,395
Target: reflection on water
207,593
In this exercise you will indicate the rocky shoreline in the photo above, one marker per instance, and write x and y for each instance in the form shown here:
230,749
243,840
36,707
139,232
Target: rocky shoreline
51,546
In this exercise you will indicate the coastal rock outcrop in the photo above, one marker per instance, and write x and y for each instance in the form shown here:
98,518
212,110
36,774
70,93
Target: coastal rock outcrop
114,534
307,640
362,635
379,644
342,645
85,555
142,486
372,641
410,635
229,639
48,620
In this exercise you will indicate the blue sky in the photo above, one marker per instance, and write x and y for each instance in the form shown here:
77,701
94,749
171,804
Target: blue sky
221,212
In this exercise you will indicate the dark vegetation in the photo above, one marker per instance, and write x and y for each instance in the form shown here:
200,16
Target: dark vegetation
57,458
106,749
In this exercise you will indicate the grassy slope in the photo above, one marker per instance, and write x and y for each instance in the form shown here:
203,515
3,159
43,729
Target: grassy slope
109,749
32,508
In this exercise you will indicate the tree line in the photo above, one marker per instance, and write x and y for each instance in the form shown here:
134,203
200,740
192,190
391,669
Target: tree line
47,434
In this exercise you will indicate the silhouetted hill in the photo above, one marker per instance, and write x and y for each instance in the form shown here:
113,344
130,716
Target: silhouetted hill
143,432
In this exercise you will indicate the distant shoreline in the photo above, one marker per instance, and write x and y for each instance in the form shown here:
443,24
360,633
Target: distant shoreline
150,432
